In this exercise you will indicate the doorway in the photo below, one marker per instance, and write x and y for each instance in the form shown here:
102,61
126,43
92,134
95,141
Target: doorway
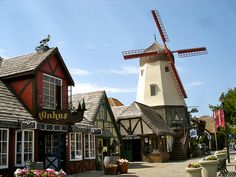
132,149
52,149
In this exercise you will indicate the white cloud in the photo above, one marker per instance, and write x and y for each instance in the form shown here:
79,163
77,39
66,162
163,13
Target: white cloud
194,84
89,45
79,72
2,51
126,70
89,87
123,70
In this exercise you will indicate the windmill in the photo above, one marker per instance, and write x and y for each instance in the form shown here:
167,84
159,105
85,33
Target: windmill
168,89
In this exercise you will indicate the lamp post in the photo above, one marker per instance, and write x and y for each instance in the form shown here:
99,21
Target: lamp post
226,126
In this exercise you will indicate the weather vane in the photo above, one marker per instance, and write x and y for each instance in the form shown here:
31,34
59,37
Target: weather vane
43,46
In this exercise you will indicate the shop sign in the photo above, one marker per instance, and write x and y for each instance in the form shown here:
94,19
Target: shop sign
96,131
29,125
193,133
60,117
130,137
43,127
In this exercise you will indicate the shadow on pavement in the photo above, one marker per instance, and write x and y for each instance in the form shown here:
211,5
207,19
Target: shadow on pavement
134,165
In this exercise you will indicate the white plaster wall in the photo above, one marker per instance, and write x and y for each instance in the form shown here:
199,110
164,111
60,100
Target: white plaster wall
154,73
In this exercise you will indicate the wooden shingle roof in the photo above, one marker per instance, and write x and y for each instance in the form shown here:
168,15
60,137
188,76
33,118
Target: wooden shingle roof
28,64
23,64
149,116
11,110
92,100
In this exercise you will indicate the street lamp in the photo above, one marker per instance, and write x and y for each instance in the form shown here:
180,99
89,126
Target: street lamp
222,99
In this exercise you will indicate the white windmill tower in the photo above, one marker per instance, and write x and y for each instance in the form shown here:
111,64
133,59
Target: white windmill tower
159,84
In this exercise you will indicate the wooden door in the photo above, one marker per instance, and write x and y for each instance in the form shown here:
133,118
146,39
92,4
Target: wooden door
52,151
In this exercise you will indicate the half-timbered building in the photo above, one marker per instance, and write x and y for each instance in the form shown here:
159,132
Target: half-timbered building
99,117
145,135
35,114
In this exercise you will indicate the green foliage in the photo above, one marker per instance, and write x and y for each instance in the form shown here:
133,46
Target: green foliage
229,102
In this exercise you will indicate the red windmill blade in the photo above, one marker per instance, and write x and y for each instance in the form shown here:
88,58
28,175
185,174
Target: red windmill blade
191,52
131,54
164,37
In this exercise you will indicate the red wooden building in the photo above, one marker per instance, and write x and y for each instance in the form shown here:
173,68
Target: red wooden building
35,114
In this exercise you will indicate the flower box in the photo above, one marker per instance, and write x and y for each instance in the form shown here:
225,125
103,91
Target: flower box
123,168
39,173
193,170
123,165
110,169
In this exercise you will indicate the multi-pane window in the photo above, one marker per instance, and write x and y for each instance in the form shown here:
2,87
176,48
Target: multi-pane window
24,147
89,146
102,113
4,138
153,89
51,92
51,143
76,146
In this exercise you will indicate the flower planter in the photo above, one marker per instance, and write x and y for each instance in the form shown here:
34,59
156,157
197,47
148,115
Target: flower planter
193,172
111,170
221,156
209,167
123,168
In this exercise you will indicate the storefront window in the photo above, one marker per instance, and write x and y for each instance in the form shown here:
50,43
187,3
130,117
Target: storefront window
75,146
4,138
24,147
89,146
51,92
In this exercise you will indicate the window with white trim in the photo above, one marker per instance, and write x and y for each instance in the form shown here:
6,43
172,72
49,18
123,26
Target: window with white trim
75,146
24,147
4,139
153,89
51,92
89,146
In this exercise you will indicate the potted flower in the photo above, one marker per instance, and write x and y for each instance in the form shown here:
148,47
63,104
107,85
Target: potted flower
39,173
110,169
209,166
193,170
122,165
221,155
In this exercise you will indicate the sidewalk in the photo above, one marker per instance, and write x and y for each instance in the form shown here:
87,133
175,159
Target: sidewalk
146,169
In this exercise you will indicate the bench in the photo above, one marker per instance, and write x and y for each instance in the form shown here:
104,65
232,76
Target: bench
223,169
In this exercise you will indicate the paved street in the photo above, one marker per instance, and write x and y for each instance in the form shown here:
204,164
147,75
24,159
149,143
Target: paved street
145,169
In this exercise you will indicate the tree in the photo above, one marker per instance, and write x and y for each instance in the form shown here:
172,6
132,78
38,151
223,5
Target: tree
229,105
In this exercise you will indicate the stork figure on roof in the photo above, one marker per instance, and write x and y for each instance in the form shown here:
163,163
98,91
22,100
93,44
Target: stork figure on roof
159,84
43,44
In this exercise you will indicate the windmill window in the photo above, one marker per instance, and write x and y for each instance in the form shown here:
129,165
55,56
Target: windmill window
153,89
167,69
52,92
142,72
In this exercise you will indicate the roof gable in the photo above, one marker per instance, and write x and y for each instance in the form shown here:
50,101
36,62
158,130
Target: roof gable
11,108
28,64
92,100
149,116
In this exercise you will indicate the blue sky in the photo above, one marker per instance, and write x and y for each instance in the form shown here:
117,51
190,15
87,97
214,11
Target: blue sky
91,34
